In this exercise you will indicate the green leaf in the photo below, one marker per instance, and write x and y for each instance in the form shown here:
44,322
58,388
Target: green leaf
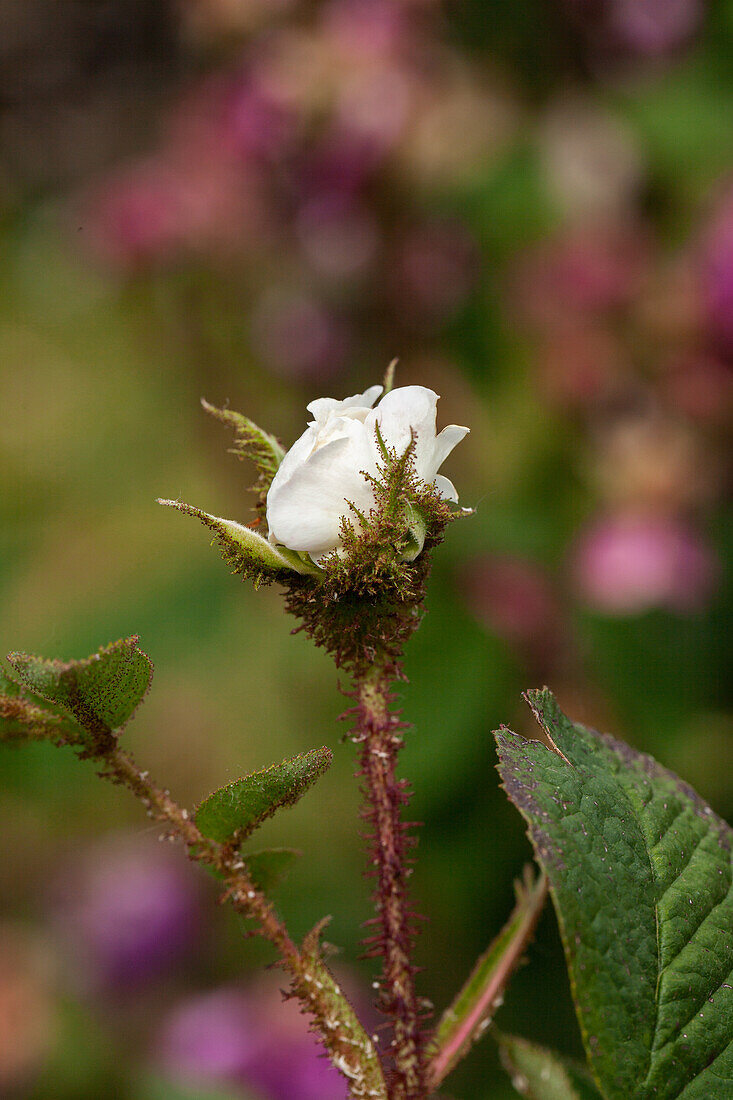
468,1017
541,1074
101,692
269,866
24,718
247,552
640,874
235,811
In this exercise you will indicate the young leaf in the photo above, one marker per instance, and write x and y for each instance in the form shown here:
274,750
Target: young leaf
541,1074
640,873
247,552
28,718
233,812
466,1020
102,691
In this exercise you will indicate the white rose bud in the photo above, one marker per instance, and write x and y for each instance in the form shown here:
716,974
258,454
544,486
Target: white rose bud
324,470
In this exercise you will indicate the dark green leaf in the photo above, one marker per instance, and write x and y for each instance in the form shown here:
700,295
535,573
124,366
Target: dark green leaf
234,811
101,691
469,1015
541,1074
640,873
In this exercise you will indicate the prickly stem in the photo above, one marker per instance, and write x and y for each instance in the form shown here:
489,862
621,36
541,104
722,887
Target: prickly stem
378,730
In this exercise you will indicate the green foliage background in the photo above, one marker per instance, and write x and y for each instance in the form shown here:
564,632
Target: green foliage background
100,381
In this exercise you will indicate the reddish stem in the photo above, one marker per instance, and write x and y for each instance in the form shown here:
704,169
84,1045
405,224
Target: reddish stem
348,1045
379,731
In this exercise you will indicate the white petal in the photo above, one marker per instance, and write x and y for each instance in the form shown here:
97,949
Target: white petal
304,513
323,407
406,409
444,443
294,458
445,487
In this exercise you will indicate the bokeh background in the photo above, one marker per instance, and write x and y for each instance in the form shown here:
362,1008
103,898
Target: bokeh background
261,202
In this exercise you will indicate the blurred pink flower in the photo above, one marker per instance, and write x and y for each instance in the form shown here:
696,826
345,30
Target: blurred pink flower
654,27
339,238
297,336
626,29
584,272
251,122
432,273
212,1037
513,597
251,1039
126,913
628,563
717,276
363,29
152,211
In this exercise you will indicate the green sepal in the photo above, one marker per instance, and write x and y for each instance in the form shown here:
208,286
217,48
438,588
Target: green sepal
467,1018
349,1045
101,692
251,442
233,812
640,874
541,1074
416,528
246,551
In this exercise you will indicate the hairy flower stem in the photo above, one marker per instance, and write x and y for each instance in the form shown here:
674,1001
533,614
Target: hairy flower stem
379,732
348,1045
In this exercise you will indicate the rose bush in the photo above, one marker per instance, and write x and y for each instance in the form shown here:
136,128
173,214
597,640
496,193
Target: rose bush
323,474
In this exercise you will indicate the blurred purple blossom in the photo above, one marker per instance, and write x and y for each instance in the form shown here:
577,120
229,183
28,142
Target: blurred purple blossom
155,210
339,238
717,276
250,1039
514,598
296,335
654,27
126,912
628,29
212,1037
586,271
628,563
366,29
433,270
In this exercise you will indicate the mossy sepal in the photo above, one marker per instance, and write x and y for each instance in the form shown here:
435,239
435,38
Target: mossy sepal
252,442
247,551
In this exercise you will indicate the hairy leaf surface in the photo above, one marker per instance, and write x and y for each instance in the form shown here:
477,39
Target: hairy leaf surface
234,811
101,692
640,873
